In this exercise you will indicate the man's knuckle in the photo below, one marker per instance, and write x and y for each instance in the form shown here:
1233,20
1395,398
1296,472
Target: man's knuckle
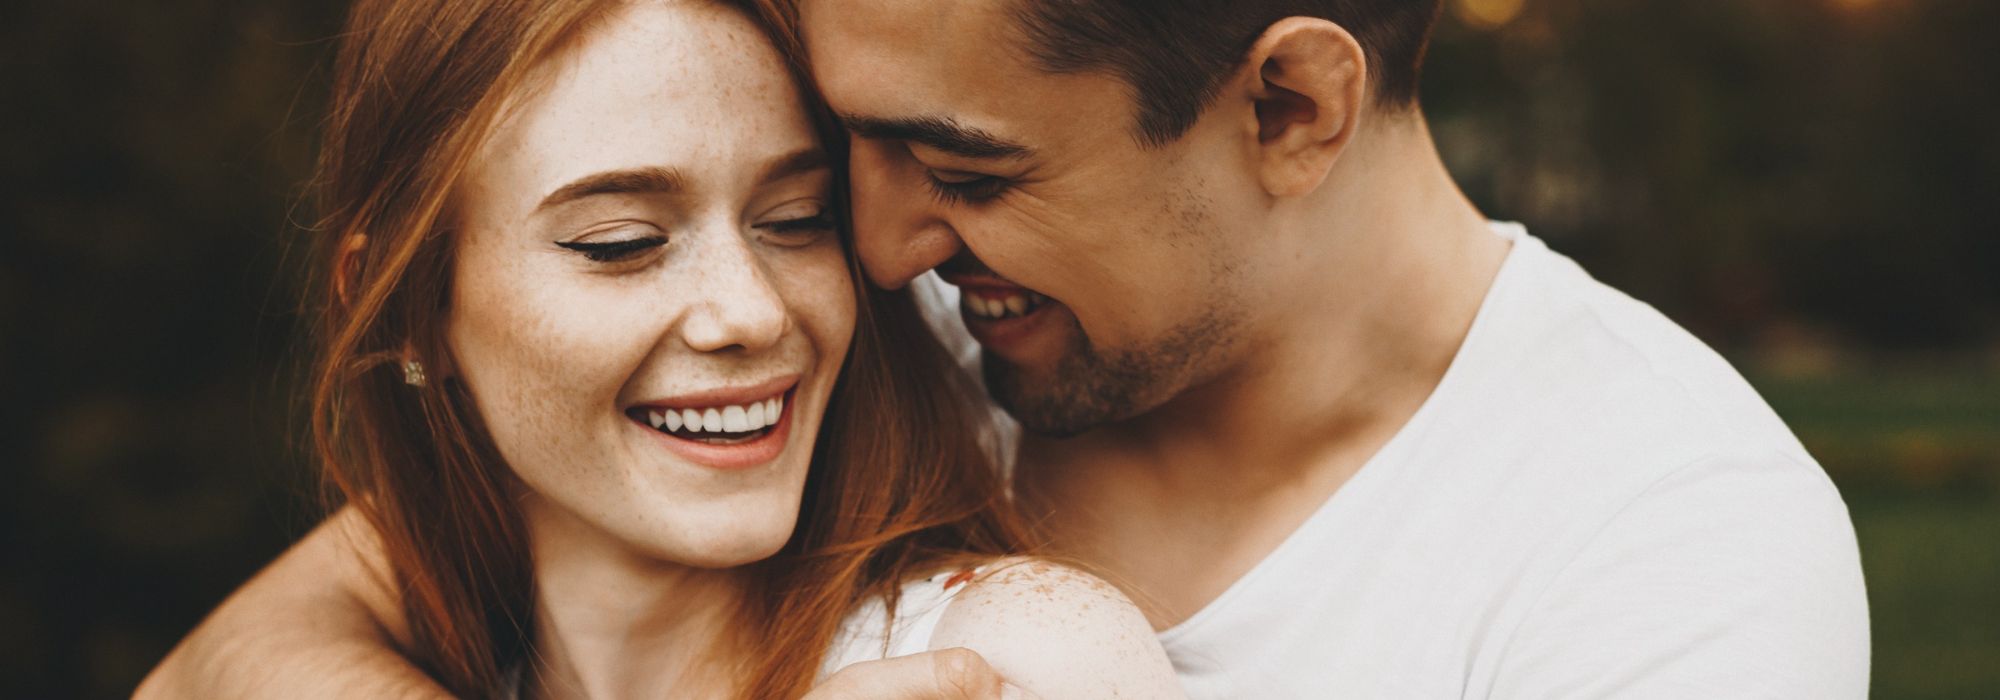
960,671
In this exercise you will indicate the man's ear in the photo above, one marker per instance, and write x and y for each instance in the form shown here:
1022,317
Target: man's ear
1308,81
347,264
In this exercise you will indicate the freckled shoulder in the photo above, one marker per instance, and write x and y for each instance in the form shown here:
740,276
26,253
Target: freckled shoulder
1058,632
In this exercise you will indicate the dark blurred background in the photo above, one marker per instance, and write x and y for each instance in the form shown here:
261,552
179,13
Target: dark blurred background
1809,185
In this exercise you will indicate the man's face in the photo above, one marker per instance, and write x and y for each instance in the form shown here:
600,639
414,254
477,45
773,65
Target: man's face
1102,277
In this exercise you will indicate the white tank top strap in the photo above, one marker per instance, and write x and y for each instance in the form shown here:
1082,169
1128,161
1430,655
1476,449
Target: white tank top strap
868,634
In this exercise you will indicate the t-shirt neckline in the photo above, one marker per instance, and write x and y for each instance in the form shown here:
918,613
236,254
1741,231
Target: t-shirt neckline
1364,478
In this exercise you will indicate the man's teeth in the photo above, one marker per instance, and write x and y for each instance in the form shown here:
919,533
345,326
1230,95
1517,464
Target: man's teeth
1010,306
745,418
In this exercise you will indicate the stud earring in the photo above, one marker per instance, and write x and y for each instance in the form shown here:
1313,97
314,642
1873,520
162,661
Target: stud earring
413,373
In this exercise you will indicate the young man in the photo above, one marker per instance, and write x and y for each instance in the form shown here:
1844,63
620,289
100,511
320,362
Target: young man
1338,434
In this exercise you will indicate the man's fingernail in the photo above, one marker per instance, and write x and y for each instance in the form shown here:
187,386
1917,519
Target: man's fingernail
1009,691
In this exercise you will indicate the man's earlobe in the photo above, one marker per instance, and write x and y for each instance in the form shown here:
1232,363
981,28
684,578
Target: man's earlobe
1309,84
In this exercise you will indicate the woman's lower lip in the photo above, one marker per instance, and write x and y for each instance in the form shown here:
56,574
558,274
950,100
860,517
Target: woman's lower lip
756,451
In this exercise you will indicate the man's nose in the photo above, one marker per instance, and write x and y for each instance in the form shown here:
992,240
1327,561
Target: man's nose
737,306
896,228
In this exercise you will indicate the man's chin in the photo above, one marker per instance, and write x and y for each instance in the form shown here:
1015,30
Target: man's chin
1050,402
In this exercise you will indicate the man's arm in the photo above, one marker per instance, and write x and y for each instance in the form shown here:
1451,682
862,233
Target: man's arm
320,622
1733,577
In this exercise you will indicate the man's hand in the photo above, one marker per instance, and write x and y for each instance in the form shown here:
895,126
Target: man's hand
946,674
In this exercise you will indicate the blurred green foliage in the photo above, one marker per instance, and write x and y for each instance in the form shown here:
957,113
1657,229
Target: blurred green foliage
1916,452
1808,184
1822,167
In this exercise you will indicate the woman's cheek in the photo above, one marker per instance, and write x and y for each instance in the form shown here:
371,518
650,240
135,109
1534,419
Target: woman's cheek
814,284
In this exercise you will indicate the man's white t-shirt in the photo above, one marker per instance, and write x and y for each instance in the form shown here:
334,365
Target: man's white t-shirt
1591,504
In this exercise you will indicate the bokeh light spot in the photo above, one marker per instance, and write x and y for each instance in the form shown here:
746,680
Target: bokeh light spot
1489,14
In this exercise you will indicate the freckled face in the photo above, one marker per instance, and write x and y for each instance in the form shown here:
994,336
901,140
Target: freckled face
1107,277
648,232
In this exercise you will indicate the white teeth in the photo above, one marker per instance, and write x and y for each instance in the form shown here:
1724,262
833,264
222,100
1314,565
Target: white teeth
1011,306
745,418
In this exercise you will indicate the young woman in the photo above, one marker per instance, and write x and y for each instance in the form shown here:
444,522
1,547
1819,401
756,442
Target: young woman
606,391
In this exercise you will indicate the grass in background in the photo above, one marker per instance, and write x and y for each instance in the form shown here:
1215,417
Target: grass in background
1916,453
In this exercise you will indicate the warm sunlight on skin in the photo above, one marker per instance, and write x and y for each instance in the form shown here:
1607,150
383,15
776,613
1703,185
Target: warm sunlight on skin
648,232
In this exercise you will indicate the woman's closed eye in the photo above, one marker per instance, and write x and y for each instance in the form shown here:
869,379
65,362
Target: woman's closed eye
616,245
798,231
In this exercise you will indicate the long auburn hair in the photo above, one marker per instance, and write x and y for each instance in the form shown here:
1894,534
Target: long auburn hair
899,484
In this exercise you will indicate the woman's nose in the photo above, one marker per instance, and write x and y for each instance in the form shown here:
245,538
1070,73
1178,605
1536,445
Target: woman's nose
897,233
737,305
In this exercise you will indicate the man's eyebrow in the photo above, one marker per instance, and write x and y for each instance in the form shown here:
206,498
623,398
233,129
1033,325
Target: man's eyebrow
941,133
804,160
648,180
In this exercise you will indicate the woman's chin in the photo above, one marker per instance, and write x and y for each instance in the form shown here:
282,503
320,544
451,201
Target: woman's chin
727,554
727,546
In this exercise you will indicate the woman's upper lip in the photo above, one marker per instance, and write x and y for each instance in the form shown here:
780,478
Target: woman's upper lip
724,396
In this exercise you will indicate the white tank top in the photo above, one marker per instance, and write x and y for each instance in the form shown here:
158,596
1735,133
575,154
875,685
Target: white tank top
870,634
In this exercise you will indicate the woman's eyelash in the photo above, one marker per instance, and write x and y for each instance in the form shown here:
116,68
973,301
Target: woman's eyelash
975,190
817,222
614,251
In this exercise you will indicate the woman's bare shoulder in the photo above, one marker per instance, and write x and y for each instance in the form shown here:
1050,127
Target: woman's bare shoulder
1057,631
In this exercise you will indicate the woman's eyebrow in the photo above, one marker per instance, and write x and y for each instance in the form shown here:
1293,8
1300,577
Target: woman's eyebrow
647,180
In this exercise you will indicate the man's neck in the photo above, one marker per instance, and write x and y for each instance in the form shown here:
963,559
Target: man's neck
610,623
1384,271
1389,266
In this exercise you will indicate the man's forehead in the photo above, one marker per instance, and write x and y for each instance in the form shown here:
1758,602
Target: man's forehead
911,22
943,60
910,56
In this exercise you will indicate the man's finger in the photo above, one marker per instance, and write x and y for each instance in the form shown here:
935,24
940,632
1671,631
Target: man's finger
945,674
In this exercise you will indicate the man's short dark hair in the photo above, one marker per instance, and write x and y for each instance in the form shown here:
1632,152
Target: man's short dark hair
1174,53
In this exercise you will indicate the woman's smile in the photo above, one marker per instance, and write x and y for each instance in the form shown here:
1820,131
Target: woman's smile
722,428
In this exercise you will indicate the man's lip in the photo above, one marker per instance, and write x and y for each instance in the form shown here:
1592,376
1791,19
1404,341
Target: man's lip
988,283
724,396
1005,335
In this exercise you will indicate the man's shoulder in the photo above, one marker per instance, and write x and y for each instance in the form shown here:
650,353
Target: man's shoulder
1647,485
1582,397
1574,361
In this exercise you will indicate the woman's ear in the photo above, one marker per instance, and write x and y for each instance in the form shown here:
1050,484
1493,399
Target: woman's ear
347,264
1307,80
